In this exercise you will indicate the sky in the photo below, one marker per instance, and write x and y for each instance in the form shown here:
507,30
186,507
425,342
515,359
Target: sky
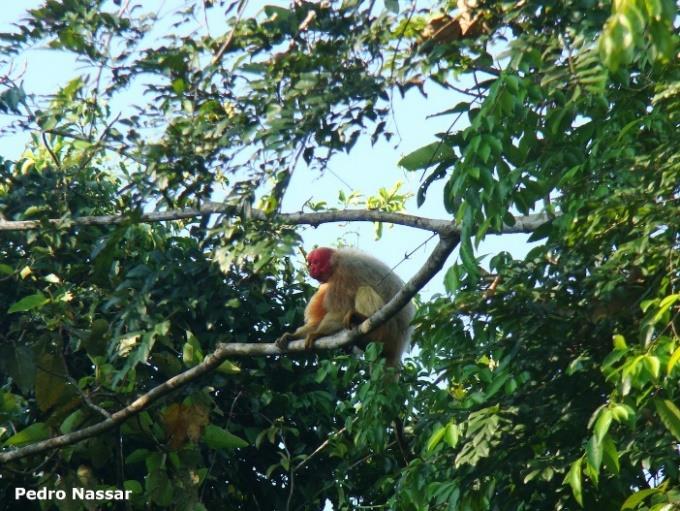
366,169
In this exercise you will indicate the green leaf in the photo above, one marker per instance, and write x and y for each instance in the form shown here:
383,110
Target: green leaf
619,342
137,456
467,257
594,453
602,423
673,360
452,278
18,361
218,438
663,44
669,415
652,365
632,501
134,486
192,353
610,456
392,6
228,367
451,436
159,487
573,479
73,421
496,384
435,438
463,106
51,386
484,151
654,8
29,302
96,342
34,433
281,18
426,156
621,412
664,305
179,86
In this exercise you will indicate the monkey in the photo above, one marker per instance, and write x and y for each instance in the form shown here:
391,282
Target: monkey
354,285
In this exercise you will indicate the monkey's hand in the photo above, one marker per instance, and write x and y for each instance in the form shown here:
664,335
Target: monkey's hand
282,342
352,319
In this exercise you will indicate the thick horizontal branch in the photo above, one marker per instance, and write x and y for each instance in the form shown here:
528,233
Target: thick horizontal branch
434,263
522,224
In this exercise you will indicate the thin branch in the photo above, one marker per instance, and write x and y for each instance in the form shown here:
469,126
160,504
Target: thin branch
98,143
83,395
448,240
291,472
121,150
227,42
321,447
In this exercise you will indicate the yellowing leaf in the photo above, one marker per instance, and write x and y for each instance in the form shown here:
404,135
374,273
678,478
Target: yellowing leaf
184,422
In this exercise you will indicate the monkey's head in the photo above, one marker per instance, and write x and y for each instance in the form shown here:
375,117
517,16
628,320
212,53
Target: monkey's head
320,263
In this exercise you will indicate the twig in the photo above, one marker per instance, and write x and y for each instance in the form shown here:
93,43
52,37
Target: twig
98,143
230,37
75,136
291,473
321,447
83,395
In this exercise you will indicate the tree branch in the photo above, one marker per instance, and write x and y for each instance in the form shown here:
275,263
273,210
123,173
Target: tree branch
522,224
448,240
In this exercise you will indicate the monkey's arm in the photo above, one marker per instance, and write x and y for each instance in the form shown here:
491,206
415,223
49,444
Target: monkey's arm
301,332
332,322
366,302
314,314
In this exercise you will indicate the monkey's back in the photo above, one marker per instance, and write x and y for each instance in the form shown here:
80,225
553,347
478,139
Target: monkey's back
355,269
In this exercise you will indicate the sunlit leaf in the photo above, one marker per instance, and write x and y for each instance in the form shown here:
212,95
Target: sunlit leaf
573,479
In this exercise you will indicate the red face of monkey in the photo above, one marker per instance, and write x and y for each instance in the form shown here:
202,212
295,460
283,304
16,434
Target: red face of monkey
320,264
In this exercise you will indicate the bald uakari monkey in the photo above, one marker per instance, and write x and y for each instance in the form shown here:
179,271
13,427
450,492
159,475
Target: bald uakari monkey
354,285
